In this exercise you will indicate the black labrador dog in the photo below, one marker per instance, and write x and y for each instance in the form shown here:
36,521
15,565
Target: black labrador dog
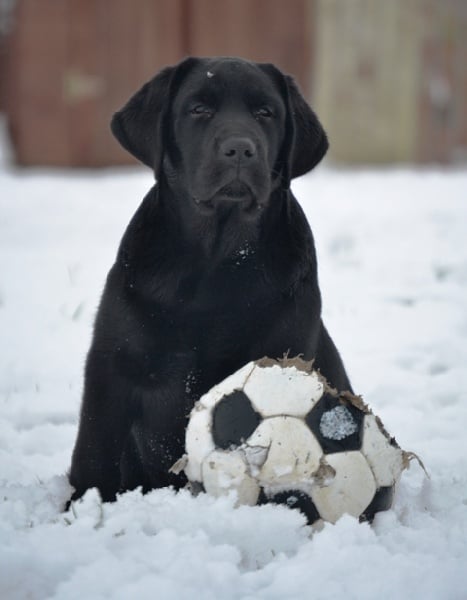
216,268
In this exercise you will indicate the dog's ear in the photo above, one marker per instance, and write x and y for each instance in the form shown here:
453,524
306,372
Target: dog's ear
138,126
310,142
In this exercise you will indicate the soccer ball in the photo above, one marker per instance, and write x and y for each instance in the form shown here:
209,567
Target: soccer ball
275,431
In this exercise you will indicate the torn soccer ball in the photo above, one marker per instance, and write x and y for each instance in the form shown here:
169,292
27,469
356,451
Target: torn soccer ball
274,431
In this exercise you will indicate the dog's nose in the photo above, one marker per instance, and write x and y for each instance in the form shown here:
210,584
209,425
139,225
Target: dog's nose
238,148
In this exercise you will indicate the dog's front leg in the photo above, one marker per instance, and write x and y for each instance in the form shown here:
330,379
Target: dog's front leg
106,419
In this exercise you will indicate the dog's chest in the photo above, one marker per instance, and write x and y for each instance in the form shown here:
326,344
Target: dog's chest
216,307
234,287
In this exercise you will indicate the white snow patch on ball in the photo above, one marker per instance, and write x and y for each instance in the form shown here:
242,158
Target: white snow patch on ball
338,423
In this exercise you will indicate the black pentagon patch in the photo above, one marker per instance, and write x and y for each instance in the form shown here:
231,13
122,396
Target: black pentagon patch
293,499
234,420
337,425
382,500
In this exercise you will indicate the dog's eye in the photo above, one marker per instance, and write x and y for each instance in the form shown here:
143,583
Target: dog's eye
201,110
263,112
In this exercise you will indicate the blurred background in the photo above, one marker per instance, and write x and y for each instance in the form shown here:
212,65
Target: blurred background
387,78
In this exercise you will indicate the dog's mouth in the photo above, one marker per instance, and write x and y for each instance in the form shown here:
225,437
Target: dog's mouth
236,193
235,190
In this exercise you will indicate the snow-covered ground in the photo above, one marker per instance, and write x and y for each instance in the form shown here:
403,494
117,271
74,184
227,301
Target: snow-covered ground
392,247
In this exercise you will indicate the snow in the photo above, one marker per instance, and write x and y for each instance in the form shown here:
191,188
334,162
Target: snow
338,423
392,248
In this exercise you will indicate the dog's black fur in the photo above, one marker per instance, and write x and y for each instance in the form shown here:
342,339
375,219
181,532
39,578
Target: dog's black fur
217,266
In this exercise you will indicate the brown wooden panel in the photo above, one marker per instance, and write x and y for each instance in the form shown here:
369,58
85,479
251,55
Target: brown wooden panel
37,58
144,37
115,46
264,30
83,80
442,106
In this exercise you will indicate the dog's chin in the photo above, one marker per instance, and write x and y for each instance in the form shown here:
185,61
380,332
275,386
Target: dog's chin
233,197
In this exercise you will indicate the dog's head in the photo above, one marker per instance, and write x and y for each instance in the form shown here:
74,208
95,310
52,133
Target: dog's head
222,131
